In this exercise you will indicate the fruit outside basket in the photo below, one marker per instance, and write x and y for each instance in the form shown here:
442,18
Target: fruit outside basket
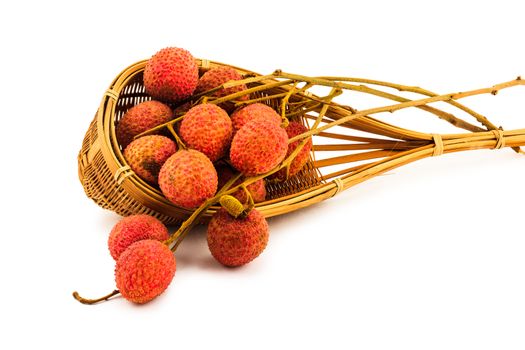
109,181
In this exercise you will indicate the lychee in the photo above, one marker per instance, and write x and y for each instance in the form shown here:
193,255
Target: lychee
208,129
140,118
253,111
257,189
171,74
235,242
147,154
293,129
144,270
132,229
258,147
188,178
215,77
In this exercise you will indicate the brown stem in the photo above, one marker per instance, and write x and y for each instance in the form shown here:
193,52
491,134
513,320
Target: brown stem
94,301
180,144
159,127
259,99
414,103
415,89
251,204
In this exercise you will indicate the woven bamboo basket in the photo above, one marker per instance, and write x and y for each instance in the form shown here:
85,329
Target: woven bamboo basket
350,146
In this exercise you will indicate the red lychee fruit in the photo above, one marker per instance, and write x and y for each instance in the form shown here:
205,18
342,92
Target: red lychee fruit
140,118
147,154
216,77
208,129
144,270
132,229
293,129
235,242
258,147
171,74
251,112
188,178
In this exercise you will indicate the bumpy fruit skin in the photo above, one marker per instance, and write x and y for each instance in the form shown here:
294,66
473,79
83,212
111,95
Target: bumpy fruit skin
218,76
251,112
257,189
294,129
258,147
132,229
144,270
147,154
140,118
235,242
188,178
208,129
171,74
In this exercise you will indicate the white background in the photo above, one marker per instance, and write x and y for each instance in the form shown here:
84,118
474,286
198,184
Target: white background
430,256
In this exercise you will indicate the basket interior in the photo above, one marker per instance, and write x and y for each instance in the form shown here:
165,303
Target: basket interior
134,93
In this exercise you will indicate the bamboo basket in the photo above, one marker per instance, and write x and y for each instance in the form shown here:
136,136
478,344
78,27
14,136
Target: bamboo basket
350,146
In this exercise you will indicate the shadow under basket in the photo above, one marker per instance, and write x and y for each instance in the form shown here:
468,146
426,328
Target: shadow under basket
356,148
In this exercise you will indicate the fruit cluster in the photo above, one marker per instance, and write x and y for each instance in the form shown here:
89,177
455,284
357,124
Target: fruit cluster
198,153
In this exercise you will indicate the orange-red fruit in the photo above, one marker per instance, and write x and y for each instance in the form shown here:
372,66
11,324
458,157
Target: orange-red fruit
253,112
216,77
258,147
147,154
140,118
171,74
257,189
235,242
188,178
144,270
208,129
294,129
132,229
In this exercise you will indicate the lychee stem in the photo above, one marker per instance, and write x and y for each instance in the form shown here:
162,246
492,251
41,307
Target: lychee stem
186,226
446,116
159,127
180,144
450,118
94,301
340,83
260,99
284,103
251,202
403,105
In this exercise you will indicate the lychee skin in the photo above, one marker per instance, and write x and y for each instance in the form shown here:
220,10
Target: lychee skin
132,229
147,154
188,178
257,189
144,270
235,242
171,74
140,118
293,129
216,77
251,112
208,129
258,147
